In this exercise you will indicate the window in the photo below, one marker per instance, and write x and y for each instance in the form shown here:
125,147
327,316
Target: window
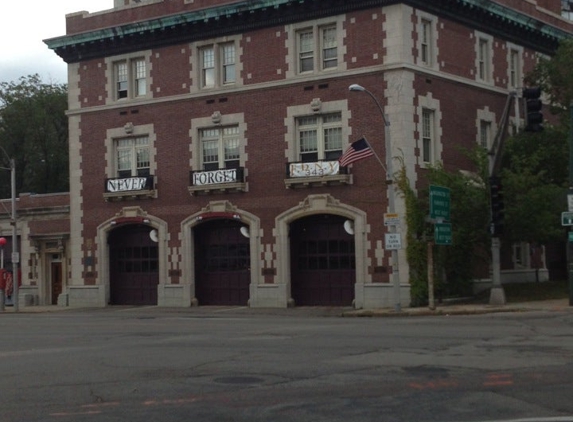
483,60
319,137
228,63
567,9
485,134
132,157
306,50
514,68
427,135
427,40
317,48
218,65
425,47
130,78
220,148
329,50
208,60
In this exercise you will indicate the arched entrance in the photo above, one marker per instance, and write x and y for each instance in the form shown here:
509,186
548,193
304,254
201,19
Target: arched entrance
134,266
222,263
323,263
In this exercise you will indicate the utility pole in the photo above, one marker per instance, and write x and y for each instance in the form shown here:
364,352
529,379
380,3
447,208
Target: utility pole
391,192
570,244
15,254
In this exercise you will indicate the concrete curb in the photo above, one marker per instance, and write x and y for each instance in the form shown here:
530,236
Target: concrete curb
558,305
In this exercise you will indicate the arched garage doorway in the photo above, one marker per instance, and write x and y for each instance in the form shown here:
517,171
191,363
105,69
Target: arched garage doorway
323,263
134,266
222,263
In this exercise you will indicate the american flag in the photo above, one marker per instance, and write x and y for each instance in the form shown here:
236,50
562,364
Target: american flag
357,150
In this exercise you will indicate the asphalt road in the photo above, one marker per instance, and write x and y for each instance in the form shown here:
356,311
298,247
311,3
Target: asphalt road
229,364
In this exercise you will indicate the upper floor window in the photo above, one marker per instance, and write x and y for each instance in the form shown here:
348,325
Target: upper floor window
130,78
218,64
132,157
513,67
317,48
428,135
567,9
514,59
484,59
319,137
426,44
427,40
220,148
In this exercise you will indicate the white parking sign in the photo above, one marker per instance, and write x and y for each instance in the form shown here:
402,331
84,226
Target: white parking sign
393,241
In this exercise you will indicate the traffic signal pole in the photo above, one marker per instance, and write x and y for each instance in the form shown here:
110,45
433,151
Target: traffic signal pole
497,294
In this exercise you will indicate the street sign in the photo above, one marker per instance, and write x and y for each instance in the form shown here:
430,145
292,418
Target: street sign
391,219
439,202
570,236
443,233
393,241
567,218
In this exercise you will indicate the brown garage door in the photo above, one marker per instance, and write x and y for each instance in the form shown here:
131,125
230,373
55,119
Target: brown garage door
134,267
322,262
222,260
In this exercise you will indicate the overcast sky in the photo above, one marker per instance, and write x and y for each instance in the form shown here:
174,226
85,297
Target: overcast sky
25,24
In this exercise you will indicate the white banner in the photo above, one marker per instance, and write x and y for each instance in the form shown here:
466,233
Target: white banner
125,185
321,168
217,176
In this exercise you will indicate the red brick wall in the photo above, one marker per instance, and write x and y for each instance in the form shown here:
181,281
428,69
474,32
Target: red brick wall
170,71
365,38
264,67
265,112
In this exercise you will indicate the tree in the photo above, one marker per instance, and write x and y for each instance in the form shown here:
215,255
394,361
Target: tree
454,265
535,166
553,76
34,131
535,184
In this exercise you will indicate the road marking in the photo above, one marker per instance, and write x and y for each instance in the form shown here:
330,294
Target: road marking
541,419
494,380
66,414
434,384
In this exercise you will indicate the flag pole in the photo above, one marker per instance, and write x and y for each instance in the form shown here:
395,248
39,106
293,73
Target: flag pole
375,155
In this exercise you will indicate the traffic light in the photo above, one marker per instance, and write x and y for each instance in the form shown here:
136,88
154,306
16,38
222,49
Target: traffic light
533,105
497,206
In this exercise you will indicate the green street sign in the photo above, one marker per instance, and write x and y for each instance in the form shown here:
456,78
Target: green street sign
439,202
567,218
443,233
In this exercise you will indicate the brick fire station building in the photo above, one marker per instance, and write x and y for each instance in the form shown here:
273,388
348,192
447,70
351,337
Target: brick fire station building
205,134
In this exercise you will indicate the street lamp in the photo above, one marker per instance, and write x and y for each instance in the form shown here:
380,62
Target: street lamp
15,254
391,190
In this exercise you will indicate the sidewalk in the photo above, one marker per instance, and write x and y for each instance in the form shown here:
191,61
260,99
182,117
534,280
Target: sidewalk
441,310
466,309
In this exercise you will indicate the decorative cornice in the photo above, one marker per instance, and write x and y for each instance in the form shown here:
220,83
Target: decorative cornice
250,15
